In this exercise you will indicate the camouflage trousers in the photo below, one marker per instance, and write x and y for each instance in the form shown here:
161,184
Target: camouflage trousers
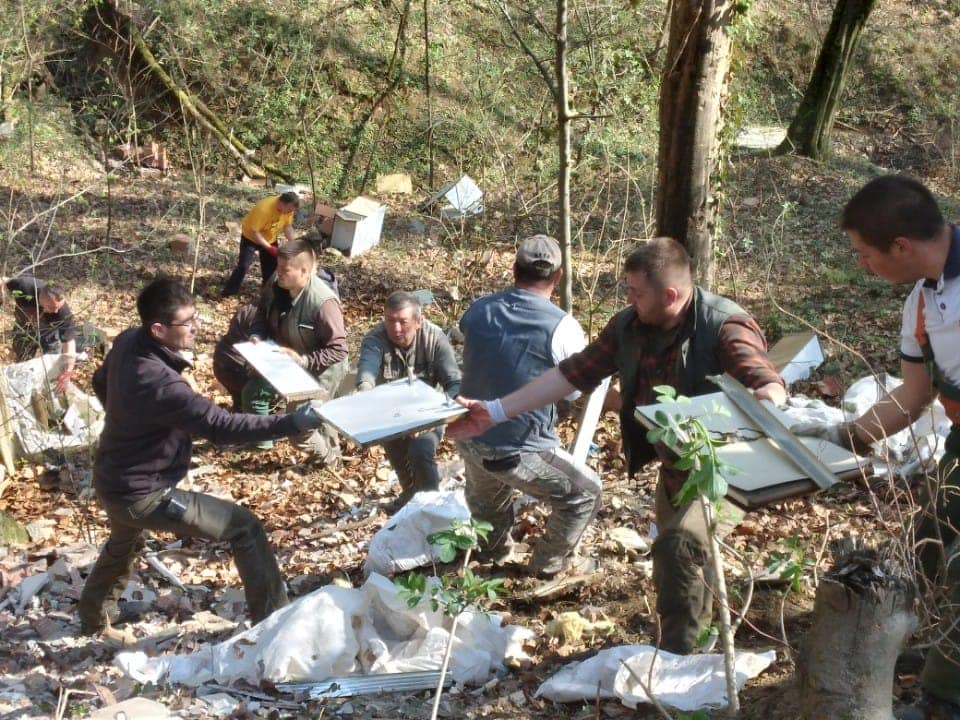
571,489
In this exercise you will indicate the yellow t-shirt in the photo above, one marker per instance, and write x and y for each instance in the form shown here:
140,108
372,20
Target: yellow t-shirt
265,218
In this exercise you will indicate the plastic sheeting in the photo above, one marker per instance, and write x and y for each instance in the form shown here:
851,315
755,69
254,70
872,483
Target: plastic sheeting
338,631
402,545
684,682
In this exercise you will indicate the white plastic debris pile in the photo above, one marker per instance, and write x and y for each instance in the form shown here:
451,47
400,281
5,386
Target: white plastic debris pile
42,419
338,631
401,544
920,445
683,682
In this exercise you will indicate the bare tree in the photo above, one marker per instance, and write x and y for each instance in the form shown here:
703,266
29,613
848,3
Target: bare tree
692,87
556,80
809,132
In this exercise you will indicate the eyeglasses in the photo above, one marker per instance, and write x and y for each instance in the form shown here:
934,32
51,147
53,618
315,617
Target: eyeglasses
192,320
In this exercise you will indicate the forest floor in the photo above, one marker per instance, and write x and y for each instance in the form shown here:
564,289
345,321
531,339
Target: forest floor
785,260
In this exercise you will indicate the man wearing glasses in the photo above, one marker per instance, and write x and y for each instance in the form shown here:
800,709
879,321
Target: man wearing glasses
144,451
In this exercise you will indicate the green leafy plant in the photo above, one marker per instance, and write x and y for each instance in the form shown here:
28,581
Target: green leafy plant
792,563
454,594
695,447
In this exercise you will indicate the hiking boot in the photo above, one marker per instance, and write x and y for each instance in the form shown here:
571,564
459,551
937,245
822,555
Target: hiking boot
929,708
121,614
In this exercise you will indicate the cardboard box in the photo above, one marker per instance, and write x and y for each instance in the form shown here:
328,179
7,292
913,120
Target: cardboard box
357,226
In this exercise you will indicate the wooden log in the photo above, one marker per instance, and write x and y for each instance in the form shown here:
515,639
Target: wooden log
862,615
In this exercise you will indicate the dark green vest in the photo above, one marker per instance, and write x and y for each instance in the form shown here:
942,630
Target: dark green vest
698,358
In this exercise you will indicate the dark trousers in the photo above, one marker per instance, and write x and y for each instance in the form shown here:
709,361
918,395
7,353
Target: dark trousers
27,340
202,516
248,251
682,570
414,459
938,550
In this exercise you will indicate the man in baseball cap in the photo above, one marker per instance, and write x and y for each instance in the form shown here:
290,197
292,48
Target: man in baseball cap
511,337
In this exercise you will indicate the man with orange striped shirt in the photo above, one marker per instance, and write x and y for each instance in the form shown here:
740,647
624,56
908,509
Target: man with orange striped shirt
898,233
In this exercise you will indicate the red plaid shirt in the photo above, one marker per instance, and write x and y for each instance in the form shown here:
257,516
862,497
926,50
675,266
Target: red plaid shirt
742,350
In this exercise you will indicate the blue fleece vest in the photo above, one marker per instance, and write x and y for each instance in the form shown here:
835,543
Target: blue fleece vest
508,339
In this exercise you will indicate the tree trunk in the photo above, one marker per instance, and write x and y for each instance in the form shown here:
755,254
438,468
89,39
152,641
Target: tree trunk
862,615
562,97
809,133
691,90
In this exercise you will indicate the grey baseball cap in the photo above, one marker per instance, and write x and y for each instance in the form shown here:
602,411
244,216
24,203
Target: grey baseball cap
540,253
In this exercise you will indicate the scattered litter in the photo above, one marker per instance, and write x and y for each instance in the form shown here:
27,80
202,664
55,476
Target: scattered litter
220,703
571,627
46,420
909,451
352,685
138,707
684,682
629,539
463,198
29,587
401,544
760,137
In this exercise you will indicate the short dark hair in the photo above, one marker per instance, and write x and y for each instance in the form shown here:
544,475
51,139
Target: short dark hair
295,248
160,300
290,198
660,259
892,206
401,299
55,291
532,273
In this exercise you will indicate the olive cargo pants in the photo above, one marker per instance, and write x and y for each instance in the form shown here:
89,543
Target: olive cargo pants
189,514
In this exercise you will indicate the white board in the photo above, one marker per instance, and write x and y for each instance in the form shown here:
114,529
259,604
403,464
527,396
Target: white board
389,411
588,422
290,380
764,465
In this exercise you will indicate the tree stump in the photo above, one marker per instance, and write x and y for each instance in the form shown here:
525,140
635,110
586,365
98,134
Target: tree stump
862,615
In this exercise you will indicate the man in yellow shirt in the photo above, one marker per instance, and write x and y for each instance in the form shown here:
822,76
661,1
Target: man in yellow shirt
258,235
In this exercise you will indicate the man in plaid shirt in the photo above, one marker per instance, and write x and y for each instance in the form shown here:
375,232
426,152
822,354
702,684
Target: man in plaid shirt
673,333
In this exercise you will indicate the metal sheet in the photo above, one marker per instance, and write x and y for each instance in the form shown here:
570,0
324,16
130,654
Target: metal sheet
280,370
799,453
351,685
390,410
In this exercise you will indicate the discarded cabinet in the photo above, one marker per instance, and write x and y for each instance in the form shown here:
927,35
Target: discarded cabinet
357,226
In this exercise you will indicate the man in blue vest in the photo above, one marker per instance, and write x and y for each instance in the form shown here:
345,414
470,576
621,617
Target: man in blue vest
897,232
673,333
510,337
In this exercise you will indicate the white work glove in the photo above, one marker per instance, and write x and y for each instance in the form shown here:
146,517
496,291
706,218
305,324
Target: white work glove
838,433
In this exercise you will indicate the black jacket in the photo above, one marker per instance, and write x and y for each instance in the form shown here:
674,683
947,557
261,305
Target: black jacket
151,416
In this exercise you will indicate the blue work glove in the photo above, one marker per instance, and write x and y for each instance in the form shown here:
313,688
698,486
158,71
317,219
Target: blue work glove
305,417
